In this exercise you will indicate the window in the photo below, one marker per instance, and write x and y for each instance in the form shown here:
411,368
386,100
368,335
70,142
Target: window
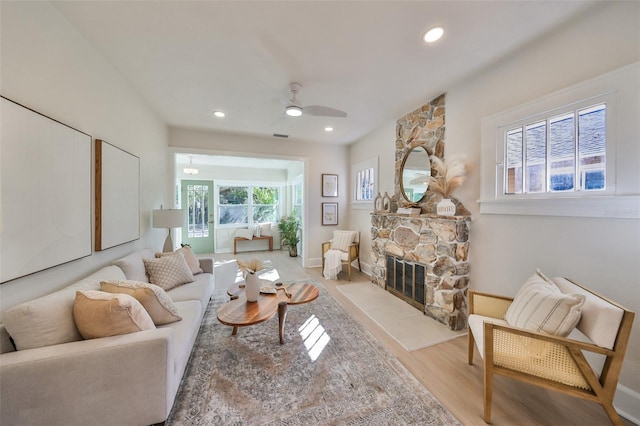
248,204
569,153
364,182
560,154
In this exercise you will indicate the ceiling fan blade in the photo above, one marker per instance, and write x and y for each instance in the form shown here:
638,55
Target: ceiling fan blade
324,111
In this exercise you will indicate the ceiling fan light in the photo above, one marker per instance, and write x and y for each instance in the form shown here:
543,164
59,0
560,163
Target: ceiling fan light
294,111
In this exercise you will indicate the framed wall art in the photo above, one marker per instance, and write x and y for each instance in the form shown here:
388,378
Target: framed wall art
45,192
117,196
329,185
329,213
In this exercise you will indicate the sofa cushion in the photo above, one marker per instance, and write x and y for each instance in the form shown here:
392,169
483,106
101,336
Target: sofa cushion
153,298
540,305
101,314
201,289
48,320
189,256
168,271
133,266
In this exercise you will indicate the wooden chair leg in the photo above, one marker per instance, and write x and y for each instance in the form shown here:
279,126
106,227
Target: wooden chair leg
471,348
488,392
612,413
349,271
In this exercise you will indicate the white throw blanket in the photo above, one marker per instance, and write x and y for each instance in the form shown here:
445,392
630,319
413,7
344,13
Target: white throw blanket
332,264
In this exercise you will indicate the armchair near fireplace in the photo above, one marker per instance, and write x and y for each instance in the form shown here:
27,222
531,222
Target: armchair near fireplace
342,249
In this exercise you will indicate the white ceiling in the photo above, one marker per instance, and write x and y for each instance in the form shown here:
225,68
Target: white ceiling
189,58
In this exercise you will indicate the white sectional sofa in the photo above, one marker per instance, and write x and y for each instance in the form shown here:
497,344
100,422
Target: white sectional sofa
128,379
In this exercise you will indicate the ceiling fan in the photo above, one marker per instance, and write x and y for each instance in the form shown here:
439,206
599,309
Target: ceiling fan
293,107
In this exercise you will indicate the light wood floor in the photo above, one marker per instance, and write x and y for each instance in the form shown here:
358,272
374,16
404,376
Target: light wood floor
443,369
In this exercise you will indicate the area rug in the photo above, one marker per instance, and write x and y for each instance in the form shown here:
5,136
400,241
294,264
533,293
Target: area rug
330,371
406,324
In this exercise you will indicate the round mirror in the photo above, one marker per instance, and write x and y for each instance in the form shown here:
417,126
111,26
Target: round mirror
415,172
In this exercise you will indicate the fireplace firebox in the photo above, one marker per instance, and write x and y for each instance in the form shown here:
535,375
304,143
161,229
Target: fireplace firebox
406,280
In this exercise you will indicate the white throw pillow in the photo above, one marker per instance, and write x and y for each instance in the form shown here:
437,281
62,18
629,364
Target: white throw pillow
255,230
265,230
342,240
169,271
133,266
99,314
244,233
154,299
541,306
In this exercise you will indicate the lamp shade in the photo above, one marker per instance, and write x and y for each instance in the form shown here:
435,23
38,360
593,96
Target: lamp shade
168,218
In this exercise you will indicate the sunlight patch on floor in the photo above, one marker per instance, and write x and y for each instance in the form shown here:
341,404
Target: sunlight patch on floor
314,336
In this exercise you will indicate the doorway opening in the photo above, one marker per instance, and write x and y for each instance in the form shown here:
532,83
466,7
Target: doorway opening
224,194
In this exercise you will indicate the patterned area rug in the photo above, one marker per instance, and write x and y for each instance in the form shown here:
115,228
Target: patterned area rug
330,371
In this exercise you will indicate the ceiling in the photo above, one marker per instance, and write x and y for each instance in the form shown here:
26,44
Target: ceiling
187,59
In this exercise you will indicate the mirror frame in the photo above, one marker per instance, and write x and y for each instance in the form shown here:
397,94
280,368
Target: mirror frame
404,160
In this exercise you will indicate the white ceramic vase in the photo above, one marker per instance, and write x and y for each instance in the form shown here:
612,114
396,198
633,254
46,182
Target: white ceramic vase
252,286
446,207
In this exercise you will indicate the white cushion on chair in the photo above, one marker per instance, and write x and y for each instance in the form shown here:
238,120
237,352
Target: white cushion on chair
476,326
343,239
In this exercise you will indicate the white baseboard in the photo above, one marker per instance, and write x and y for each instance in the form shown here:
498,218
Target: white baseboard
627,404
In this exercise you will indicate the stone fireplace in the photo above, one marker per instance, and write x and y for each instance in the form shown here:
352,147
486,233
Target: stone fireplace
433,251
423,258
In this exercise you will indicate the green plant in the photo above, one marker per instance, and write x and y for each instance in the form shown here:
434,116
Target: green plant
289,227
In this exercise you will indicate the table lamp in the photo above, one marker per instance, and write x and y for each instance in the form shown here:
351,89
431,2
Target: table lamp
168,218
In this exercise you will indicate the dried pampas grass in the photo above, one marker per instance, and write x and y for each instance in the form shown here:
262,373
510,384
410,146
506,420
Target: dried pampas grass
254,265
449,174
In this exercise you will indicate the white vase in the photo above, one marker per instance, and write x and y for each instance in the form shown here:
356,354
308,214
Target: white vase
386,203
251,286
377,203
446,207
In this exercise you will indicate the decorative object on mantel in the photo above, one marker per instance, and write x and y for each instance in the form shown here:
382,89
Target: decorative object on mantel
445,207
410,210
386,203
449,175
377,203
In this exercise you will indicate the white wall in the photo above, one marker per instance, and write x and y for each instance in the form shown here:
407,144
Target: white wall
318,159
601,253
48,66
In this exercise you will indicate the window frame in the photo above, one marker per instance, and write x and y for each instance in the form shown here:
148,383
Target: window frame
249,204
371,163
546,117
618,89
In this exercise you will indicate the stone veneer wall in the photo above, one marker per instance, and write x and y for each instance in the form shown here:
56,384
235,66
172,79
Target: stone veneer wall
442,245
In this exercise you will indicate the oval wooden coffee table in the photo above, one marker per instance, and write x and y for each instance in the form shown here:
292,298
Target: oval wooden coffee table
240,313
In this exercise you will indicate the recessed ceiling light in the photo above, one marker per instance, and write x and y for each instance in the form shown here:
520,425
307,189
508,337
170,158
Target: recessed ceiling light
328,129
219,114
433,34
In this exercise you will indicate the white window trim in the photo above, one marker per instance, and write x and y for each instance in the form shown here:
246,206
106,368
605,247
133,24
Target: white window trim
371,163
607,203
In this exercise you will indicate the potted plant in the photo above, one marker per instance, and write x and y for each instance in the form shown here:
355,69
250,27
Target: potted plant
289,227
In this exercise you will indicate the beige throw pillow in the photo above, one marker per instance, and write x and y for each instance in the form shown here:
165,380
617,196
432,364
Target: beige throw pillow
99,314
155,300
541,306
189,256
342,240
168,271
